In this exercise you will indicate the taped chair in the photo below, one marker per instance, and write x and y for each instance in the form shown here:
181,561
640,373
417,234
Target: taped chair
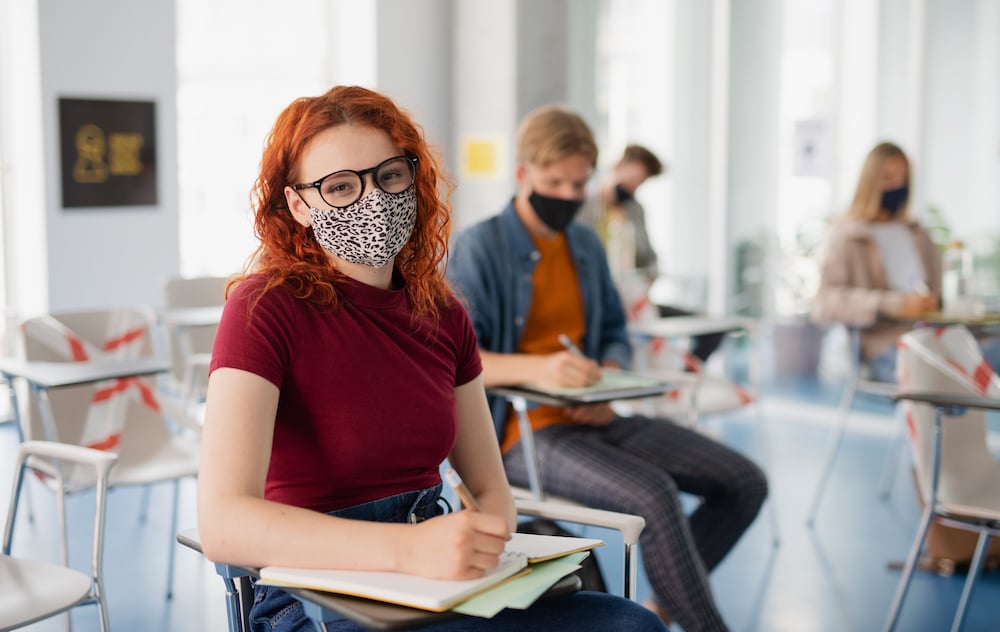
857,381
957,477
191,346
34,590
154,439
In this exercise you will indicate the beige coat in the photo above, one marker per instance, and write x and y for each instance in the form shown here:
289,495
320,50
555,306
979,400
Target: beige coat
853,286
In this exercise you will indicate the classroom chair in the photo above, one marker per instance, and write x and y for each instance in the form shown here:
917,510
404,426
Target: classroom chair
155,440
698,393
34,590
857,381
534,499
958,480
191,347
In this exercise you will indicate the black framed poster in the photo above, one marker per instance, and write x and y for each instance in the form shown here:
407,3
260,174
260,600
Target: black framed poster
107,152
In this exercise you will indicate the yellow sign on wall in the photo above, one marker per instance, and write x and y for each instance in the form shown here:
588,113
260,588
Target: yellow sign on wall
482,157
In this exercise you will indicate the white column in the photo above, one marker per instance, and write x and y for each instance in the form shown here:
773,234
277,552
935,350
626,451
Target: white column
857,94
416,70
754,84
697,166
986,119
484,104
22,160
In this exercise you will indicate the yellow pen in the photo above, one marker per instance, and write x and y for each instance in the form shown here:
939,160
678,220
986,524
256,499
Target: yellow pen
456,482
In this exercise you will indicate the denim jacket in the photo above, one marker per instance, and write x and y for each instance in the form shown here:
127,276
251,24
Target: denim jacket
491,267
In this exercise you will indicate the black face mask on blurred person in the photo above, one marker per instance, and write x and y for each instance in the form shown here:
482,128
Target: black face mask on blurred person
893,200
621,195
556,213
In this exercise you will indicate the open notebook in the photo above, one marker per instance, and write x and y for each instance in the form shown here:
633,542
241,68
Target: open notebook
415,591
614,384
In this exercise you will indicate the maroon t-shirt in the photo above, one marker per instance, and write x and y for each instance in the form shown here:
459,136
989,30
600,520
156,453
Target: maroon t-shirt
367,403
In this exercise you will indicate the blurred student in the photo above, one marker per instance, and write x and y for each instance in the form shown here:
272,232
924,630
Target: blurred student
531,274
620,219
879,263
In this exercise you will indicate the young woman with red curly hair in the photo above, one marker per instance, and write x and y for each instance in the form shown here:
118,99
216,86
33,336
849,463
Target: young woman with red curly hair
344,372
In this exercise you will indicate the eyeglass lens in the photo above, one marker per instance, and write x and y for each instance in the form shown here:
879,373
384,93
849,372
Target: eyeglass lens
344,188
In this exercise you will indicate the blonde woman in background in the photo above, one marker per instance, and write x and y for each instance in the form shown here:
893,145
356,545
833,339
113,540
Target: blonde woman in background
879,263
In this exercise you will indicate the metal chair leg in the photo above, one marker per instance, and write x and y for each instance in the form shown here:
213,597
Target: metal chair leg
911,564
631,561
970,580
144,505
764,446
925,525
833,446
173,546
891,464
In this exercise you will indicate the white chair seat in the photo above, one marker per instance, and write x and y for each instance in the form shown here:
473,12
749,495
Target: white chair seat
21,603
705,395
983,502
177,458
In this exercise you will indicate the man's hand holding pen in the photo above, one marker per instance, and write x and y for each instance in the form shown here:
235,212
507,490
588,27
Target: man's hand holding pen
569,368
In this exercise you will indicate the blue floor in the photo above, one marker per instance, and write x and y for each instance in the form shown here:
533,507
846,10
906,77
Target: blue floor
832,577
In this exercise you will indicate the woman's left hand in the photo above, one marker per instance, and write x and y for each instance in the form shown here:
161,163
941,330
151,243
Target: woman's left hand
591,414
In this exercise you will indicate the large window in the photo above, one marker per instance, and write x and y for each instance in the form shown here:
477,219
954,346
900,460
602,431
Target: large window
635,97
232,83
806,161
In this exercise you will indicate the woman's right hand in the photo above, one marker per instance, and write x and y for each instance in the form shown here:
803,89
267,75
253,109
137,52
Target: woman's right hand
461,545
917,304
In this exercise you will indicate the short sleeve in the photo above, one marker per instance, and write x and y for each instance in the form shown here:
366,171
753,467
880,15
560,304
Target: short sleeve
255,331
468,363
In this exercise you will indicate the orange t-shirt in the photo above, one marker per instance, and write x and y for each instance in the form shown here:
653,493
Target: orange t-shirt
556,308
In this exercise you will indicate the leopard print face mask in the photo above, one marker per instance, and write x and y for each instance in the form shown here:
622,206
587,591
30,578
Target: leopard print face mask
369,232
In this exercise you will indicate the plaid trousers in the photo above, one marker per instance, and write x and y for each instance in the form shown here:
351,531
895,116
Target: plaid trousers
639,465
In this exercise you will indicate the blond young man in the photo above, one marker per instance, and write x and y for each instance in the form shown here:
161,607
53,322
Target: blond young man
530,274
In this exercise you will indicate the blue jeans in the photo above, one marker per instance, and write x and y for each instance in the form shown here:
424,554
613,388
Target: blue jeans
274,610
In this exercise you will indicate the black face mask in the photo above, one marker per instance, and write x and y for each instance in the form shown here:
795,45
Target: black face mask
556,213
621,195
893,200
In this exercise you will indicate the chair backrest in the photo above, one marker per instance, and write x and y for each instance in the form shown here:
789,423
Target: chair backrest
95,415
209,291
948,360
44,589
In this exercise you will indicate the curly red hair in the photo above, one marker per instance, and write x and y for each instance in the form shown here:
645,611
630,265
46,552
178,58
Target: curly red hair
288,254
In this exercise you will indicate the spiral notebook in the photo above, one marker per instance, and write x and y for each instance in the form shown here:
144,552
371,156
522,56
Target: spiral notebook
436,595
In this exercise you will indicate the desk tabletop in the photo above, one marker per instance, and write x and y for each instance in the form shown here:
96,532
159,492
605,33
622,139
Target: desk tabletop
59,374
181,317
536,396
683,326
963,400
944,318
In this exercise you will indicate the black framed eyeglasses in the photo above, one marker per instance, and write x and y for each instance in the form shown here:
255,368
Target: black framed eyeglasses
343,188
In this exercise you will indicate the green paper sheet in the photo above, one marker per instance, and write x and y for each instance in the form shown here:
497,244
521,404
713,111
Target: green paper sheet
522,591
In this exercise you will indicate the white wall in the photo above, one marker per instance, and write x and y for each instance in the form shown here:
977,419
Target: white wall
116,49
